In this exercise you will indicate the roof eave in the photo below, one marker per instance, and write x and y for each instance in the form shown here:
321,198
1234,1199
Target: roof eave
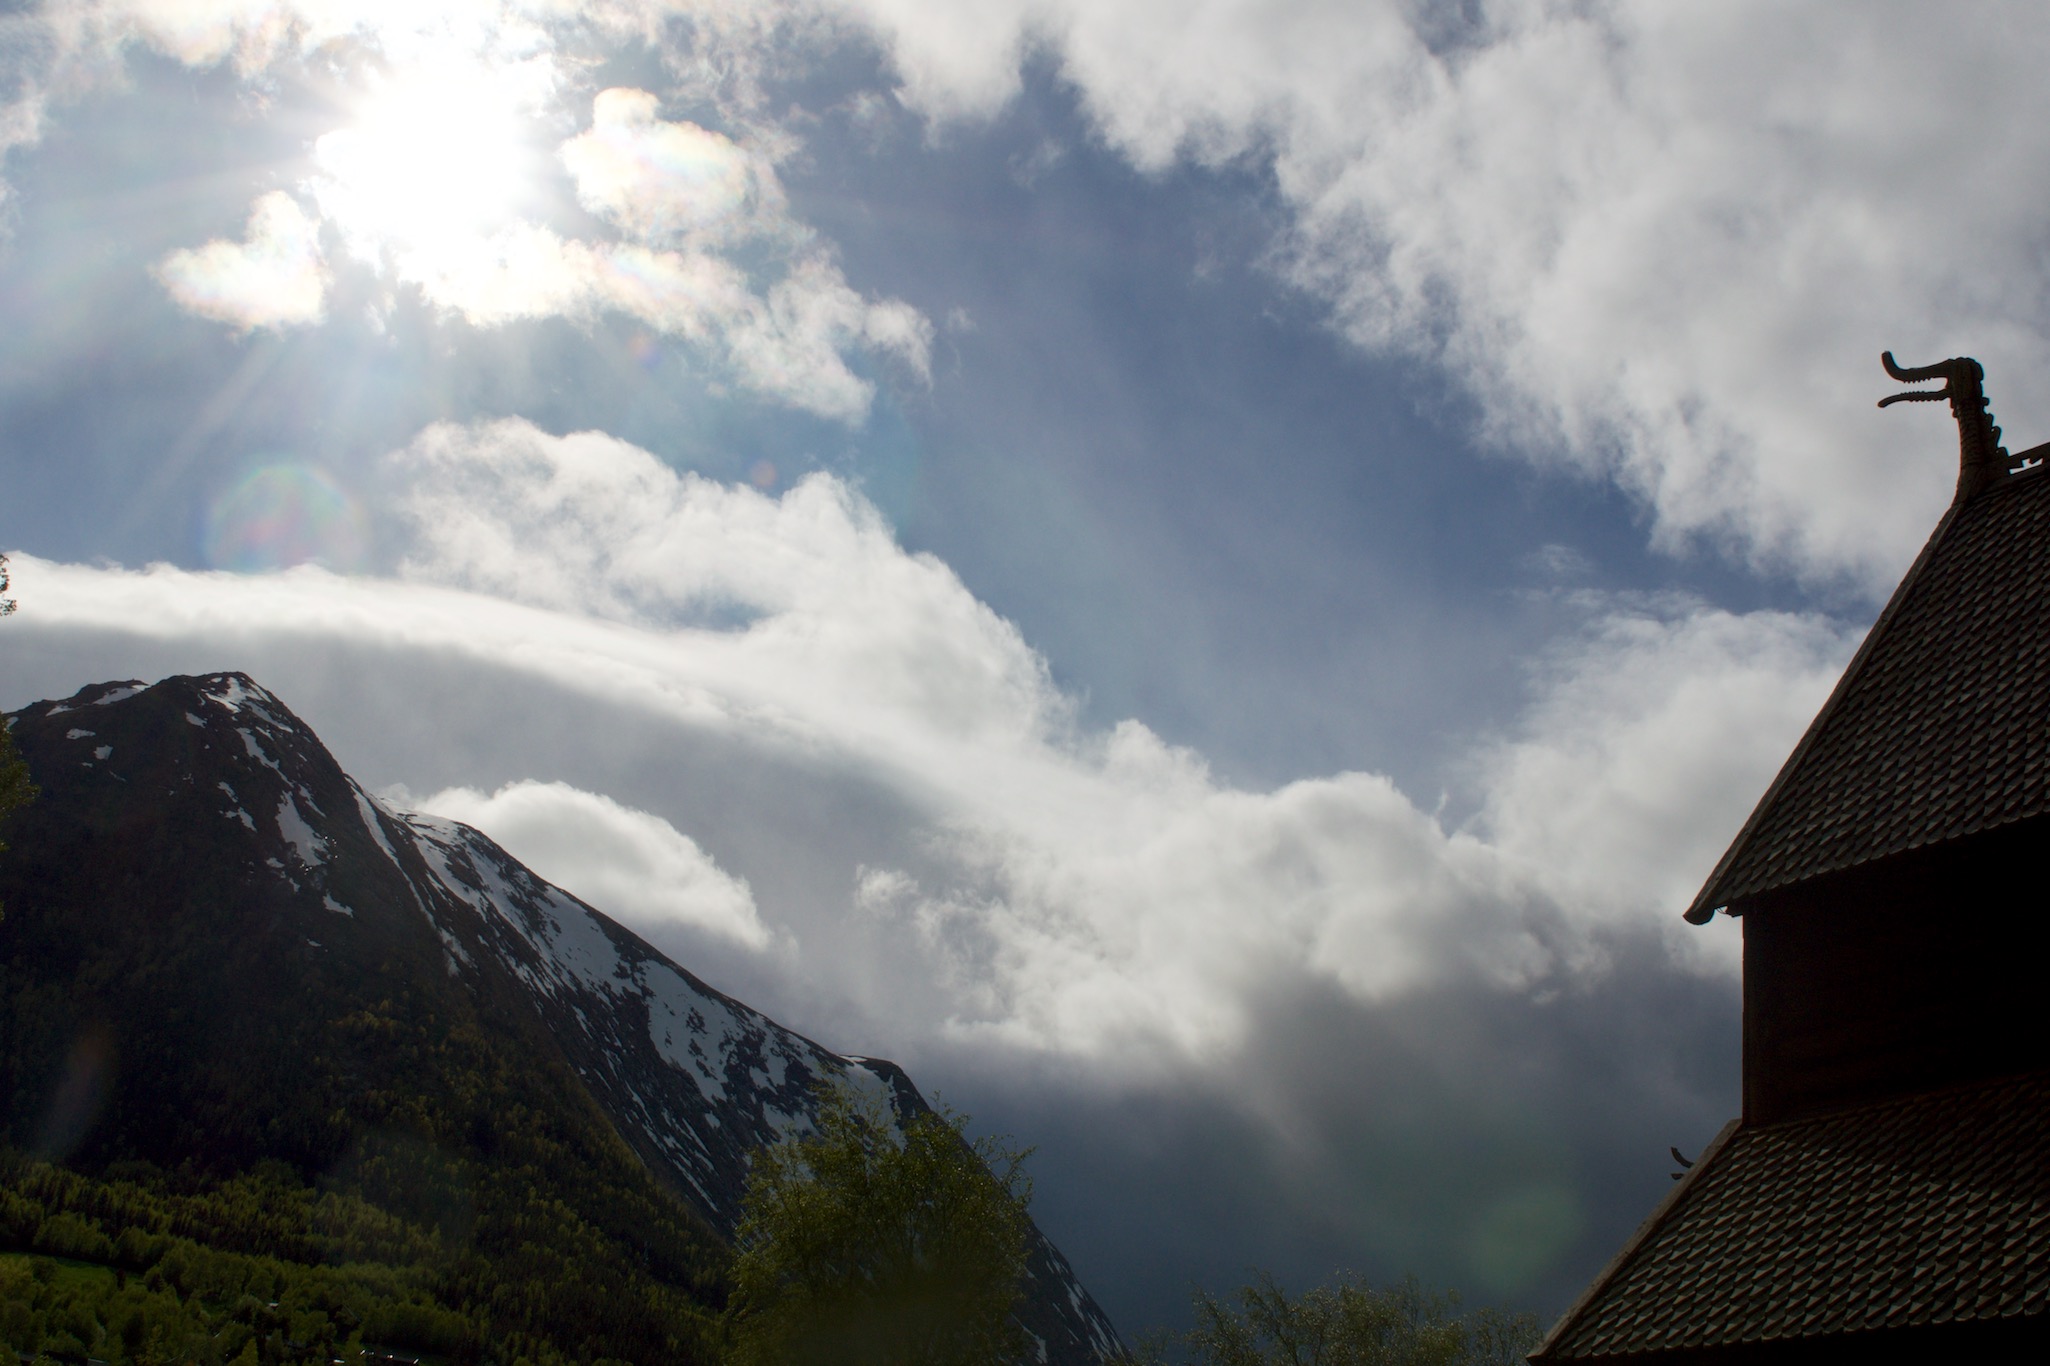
1644,1232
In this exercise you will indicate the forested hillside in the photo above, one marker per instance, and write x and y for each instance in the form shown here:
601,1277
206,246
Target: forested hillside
144,1265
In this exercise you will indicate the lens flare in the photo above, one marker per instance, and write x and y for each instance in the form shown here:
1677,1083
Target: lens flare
281,515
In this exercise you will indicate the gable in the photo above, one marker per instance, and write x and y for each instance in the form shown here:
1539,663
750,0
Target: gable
1940,727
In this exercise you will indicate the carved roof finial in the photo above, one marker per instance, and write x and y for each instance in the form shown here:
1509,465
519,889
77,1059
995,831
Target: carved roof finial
1980,457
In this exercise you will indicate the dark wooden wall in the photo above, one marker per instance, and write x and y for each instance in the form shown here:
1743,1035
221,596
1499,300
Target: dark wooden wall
1915,972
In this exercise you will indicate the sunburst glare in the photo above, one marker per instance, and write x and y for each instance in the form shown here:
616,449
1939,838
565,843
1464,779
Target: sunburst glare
436,156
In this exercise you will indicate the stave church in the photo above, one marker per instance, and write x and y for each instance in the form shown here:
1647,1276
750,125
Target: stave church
1886,1192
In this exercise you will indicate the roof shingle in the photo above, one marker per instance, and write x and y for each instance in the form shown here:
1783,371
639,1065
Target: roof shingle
1941,725
1925,1211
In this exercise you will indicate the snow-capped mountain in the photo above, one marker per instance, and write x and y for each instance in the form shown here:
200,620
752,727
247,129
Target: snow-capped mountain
345,896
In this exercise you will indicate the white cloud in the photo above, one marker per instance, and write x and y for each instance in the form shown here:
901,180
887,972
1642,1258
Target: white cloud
1091,893
1653,245
662,181
1651,738
956,61
275,277
790,343
888,651
258,34
683,191
1663,243
21,121
636,866
526,271
426,182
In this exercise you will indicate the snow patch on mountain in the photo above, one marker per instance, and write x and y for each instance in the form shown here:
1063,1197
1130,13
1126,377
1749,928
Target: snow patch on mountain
306,846
238,693
370,810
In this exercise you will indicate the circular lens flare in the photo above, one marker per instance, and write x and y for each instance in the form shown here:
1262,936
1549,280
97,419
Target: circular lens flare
281,515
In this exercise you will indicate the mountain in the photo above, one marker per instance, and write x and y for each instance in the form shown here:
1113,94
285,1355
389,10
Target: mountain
219,951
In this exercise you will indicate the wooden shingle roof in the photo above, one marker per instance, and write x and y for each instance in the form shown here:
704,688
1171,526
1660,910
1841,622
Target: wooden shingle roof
1915,1213
1940,727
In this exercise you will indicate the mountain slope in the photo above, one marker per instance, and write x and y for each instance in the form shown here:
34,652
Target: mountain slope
220,949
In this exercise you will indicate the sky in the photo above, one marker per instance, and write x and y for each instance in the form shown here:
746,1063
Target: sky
1209,578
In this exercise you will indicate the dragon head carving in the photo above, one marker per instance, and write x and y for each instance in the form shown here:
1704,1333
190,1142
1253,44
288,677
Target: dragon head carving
1981,459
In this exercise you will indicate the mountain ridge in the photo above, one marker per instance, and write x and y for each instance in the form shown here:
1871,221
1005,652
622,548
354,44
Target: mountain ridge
269,917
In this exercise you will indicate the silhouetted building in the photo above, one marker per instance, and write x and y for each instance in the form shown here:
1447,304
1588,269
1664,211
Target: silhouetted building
1887,1189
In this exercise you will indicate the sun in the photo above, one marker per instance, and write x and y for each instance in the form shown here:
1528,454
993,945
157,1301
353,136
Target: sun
435,157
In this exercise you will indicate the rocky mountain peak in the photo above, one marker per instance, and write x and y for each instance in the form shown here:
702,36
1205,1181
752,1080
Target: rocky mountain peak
208,830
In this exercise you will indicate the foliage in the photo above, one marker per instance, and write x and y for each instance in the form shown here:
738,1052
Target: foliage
110,1270
16,788
145,1266
1350,1323
864,1244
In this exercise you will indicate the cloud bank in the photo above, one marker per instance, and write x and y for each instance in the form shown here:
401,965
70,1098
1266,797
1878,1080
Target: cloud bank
1299,1025
1093,894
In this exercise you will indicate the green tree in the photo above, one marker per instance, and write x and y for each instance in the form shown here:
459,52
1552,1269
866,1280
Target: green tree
870,1242
1350,1323
16,788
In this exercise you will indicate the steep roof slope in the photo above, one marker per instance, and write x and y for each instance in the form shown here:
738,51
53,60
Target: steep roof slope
1913,1213
1940,727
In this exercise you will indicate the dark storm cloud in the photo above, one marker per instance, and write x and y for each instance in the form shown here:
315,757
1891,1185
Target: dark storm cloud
1484,1140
